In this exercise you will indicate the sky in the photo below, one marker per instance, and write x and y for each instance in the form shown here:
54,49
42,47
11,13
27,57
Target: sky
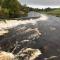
41,3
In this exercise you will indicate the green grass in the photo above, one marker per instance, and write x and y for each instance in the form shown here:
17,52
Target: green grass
55,12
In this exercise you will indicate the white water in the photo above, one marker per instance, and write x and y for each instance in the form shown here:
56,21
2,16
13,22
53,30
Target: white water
14,23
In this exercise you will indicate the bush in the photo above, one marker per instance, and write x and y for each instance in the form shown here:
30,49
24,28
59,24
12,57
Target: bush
11,9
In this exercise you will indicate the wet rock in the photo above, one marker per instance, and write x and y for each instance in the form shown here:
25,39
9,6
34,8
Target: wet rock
21,36
29,53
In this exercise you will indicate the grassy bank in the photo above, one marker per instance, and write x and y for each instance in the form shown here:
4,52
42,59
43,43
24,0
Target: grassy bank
55,12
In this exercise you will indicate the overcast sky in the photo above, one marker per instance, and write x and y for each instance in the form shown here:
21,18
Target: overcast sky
41,3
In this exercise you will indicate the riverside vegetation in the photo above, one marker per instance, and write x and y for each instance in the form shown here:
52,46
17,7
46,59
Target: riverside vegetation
49,11
12,9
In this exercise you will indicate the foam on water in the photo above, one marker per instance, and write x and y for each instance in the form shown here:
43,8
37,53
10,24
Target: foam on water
13,23
43,17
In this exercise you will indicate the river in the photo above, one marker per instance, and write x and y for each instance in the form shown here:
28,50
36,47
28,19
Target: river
41,32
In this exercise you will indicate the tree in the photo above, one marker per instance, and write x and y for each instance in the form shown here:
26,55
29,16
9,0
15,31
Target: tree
12,6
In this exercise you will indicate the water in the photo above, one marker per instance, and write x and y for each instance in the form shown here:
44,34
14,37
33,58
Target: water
36,33
33,14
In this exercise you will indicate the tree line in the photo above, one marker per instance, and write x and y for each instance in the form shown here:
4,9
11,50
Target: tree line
41,10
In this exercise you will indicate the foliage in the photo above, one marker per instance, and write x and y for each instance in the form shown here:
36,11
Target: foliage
55,12
51,11
11,8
